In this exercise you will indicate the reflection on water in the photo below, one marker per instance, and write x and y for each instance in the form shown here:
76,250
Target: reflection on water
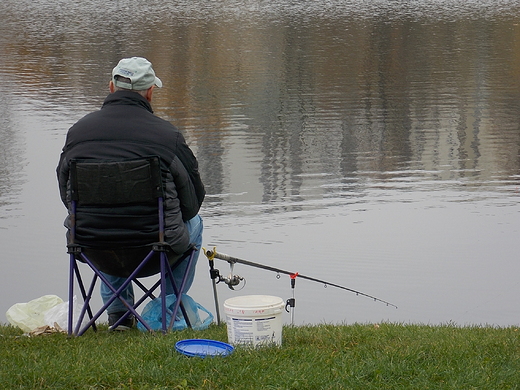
11,152
374,142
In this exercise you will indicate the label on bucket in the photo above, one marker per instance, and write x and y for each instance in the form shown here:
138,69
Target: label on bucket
254,320
258,331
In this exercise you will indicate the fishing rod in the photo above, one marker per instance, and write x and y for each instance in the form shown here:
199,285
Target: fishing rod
234,280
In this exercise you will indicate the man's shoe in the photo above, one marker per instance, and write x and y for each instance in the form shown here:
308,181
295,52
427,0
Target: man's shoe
128,322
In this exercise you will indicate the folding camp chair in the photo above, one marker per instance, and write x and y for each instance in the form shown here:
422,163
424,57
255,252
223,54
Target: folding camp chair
112,187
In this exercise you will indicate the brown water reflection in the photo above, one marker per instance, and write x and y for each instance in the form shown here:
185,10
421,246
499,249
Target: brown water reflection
328,114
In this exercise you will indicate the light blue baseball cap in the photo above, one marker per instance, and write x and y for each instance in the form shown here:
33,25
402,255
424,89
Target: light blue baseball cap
139,71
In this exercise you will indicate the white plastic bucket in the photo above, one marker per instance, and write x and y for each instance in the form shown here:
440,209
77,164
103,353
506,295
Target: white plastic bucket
254,320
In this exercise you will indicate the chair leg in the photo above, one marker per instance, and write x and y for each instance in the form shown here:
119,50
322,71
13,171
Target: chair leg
86,307
86,298
75,275
72,265
164,267
178,294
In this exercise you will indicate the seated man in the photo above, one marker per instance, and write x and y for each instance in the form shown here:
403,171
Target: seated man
125,127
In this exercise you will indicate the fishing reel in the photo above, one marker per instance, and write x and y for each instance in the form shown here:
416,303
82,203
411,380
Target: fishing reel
231,280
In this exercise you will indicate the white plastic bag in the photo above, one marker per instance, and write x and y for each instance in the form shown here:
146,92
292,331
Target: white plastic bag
29,316
59,314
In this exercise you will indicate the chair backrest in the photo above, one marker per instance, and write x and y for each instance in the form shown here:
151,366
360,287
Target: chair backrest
102,183
116,202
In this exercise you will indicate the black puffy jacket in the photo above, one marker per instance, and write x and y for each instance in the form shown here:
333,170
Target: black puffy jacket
126,127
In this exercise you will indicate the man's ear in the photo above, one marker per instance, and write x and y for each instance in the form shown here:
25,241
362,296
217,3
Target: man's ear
111,86
149,93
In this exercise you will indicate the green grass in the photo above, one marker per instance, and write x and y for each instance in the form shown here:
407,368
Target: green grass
385,356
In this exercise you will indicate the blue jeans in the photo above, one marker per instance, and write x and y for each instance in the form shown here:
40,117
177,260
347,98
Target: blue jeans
194,227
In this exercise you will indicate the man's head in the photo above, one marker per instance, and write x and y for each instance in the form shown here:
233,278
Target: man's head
135,74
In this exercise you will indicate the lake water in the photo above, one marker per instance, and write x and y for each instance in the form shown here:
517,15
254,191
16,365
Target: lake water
370,144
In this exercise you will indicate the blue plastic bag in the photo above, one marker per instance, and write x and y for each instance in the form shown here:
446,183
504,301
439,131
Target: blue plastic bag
152,314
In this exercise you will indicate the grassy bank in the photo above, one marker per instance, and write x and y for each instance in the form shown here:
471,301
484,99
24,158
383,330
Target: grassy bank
385,356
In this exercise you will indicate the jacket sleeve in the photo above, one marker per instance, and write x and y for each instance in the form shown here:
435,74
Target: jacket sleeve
188,159
62,172
186,193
